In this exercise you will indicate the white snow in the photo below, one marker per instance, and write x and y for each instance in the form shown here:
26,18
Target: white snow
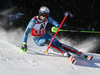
34,62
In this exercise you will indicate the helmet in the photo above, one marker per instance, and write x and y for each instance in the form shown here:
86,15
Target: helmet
44,11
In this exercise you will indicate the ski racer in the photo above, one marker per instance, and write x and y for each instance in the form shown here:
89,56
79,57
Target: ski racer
37,26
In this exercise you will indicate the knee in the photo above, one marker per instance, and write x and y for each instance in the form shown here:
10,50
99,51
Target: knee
46,42
56,43
66,54
42,42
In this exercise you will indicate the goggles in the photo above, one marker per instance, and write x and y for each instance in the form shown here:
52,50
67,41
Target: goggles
44,15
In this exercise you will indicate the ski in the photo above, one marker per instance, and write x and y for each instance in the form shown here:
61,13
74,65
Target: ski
22,51
13,44
71,58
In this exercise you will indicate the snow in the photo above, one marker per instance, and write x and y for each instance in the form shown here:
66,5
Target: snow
34,62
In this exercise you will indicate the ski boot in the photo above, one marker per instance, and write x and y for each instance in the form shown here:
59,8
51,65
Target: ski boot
82,55
72,59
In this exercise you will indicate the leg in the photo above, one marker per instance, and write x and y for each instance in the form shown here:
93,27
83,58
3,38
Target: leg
56,46
72,50
76,52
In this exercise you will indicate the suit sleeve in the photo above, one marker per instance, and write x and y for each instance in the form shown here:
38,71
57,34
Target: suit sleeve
28,29
53,22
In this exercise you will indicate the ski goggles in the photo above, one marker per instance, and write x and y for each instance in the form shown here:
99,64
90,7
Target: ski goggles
44,15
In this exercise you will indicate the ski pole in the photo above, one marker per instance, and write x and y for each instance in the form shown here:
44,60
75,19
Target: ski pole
56,32
54,29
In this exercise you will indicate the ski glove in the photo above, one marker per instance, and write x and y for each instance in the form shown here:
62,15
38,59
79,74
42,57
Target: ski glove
24,47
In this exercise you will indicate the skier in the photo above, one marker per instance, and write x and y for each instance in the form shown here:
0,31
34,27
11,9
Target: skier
37,26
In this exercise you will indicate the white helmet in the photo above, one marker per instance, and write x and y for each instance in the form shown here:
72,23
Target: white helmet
44,11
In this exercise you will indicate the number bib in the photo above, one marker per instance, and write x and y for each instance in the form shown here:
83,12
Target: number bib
39,29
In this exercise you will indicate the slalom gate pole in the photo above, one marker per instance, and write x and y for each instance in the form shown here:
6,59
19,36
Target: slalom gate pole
56,32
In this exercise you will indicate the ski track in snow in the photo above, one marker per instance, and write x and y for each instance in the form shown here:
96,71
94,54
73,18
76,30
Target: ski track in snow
34,62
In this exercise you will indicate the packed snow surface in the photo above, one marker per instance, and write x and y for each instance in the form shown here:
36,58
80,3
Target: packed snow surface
35,62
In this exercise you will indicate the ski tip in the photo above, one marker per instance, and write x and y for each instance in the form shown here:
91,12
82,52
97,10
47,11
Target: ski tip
9,42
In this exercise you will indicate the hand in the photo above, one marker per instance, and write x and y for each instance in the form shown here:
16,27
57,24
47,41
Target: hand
24,47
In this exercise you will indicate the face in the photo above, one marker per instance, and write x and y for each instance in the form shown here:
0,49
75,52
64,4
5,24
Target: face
43,17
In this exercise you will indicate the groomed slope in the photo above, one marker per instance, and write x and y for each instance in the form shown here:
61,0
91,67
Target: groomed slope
34,62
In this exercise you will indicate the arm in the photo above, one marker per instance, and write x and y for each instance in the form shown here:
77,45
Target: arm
53,22
28,29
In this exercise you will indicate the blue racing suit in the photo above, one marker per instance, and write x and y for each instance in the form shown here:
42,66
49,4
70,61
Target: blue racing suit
39,40
41,37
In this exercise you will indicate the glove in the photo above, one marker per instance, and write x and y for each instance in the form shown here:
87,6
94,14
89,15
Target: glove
24,47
